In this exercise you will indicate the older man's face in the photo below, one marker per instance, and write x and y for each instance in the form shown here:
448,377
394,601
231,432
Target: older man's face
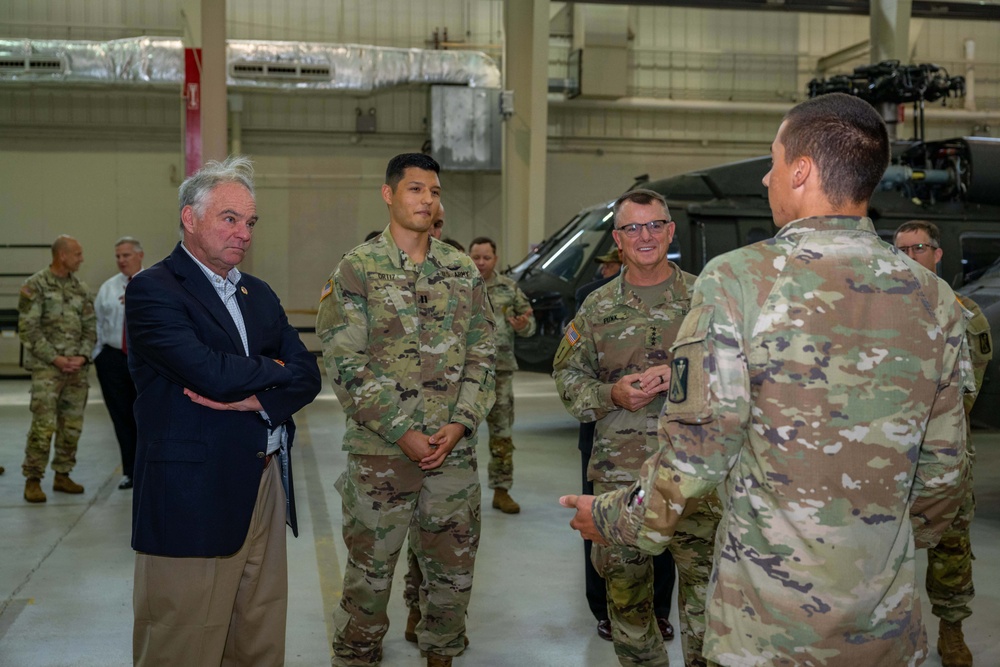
72,256
128,259
918,245
645,249
220,236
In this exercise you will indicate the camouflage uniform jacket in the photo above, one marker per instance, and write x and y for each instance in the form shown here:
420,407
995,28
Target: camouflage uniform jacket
406,346
55,318
615,334
508,300
820,374
977,331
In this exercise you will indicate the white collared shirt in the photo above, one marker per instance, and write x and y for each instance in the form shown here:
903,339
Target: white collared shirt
226,289
110,309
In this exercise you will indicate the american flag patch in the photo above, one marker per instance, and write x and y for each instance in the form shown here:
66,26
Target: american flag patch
327,290
572,335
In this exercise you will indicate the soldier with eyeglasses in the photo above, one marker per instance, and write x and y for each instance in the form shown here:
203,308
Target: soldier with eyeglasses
613,368
949,564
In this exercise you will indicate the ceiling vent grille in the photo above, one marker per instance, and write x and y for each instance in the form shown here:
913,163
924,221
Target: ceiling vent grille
284,71
31,64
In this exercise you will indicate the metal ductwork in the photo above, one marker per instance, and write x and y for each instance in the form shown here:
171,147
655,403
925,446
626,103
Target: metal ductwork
251,64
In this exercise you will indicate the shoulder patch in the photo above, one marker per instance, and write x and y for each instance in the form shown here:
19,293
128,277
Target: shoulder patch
984,343
678,380
327,290
571,338
27,292
572,335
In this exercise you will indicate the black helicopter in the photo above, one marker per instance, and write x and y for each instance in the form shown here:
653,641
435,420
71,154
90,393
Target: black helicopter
954,183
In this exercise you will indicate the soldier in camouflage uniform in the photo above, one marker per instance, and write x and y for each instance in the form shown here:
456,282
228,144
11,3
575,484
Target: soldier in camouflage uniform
949,564
610,368
58,330
407,336
820,375
513,317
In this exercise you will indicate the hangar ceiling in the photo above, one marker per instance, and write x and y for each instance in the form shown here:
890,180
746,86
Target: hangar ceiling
929,9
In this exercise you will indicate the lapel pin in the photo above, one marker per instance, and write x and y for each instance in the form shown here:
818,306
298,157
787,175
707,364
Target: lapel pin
243,289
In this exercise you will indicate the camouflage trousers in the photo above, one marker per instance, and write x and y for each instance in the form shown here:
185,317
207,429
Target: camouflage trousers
382,497
628,575
949,567
501,421
57,403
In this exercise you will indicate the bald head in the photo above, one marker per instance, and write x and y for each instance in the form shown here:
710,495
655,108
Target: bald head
67,255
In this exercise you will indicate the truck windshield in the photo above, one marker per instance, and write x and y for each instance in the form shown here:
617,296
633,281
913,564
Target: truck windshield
573,246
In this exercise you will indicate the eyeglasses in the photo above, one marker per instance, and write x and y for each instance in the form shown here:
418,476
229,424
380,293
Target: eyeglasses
916,249
635,228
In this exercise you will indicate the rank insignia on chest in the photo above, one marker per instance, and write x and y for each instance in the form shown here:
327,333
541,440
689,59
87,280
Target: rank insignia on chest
678,380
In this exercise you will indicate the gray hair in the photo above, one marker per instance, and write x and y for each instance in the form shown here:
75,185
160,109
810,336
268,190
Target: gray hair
195,189
642,197
131,240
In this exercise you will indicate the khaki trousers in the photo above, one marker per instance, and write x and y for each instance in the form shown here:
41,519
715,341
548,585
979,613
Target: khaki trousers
218,612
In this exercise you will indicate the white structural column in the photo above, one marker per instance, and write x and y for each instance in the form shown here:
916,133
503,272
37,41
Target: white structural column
526,60
890,30
890,40
206,22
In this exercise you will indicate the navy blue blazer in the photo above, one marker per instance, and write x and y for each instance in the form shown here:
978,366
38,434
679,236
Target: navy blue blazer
197,470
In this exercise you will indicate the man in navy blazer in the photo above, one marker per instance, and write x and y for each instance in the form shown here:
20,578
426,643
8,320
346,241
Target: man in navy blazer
218,373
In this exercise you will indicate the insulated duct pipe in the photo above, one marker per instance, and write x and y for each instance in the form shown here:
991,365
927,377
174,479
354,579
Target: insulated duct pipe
250,64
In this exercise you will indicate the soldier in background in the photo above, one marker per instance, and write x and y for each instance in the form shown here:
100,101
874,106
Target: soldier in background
407,335
514,317
437,227
58,329
821,377
949,564
610,369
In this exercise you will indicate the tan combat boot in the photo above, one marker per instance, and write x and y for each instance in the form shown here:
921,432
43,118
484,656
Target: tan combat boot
65,484
503,502
951,645
411,625
33,490
438,660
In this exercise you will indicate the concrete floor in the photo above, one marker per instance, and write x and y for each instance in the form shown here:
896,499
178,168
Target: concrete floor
66,566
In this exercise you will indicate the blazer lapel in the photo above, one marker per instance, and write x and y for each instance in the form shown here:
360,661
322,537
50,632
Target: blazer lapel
193,279
243,299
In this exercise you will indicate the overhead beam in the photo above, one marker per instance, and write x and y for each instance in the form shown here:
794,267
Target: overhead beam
928,9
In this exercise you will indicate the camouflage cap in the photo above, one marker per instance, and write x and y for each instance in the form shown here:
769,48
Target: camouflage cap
610,257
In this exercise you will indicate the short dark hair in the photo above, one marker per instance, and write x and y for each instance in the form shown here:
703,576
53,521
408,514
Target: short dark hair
484,239
643,197
929,228
846,138
454,244
403,161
